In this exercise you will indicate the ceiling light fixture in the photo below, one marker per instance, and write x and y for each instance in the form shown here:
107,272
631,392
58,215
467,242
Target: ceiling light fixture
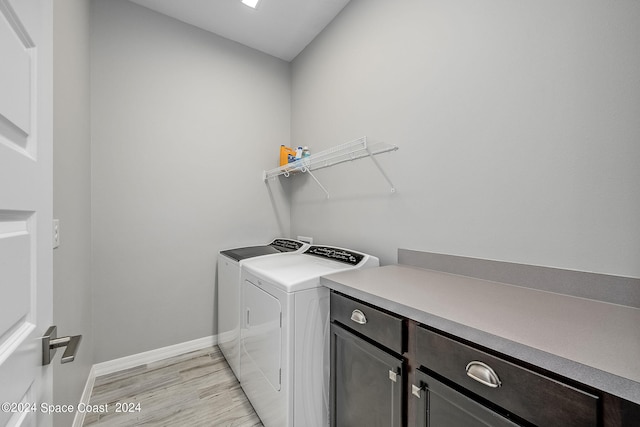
251,3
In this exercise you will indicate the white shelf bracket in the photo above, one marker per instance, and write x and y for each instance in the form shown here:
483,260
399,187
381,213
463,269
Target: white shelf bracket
375,162
306,170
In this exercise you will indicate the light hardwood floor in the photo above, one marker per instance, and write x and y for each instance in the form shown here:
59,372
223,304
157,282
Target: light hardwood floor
193,389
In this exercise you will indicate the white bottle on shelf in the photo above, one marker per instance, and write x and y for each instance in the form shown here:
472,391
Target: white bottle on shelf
305,156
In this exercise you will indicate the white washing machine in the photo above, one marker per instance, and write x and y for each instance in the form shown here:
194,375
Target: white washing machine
229,292
284,341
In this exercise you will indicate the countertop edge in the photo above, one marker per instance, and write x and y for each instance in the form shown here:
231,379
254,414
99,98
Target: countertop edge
610,383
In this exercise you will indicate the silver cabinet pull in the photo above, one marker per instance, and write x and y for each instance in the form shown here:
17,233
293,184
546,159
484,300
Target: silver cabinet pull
358,317
415,390
393,375
483,374
50,342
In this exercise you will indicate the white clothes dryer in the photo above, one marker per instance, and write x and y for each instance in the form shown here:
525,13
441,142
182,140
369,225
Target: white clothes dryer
284,341
229,295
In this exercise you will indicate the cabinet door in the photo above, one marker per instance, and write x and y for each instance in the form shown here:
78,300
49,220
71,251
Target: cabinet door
441,406
366,383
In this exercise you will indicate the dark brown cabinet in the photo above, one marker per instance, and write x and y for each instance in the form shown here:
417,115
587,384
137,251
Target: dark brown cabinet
368,371
520,394
366,383
440,405
389,371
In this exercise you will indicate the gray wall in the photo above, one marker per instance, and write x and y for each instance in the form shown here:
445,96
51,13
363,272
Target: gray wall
183,123
72,304
517,124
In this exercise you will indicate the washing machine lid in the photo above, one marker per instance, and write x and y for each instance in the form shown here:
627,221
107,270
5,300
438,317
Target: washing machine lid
299,271
276,247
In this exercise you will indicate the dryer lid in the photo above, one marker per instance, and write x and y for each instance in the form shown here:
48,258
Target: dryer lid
300,271
239,254
275,247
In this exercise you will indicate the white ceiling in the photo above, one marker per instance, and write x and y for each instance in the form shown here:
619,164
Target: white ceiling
281,28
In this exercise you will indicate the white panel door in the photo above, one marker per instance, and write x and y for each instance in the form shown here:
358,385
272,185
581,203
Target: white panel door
25,209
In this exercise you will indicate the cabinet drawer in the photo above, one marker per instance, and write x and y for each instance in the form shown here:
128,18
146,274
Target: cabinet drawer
382,327
536,398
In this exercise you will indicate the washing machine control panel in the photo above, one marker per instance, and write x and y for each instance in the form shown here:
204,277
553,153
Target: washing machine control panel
336,254
286,245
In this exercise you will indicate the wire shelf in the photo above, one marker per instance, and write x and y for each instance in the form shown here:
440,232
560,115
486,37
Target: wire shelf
349,151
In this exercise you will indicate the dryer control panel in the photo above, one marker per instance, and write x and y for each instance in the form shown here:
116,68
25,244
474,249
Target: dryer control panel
336,254
286,245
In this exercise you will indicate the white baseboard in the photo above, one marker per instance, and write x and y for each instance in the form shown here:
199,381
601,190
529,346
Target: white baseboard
134,360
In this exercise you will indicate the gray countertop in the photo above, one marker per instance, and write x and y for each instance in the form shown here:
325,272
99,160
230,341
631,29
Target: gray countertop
595,343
